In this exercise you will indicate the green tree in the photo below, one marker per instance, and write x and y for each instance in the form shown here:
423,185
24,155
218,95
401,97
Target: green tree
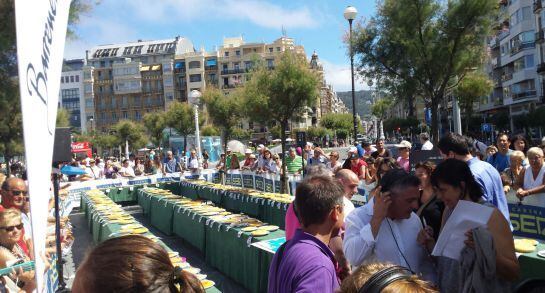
474,86
225,111
210,130
340,123
11,125
316,133
63,118
380,108
181,117
133,133
429,42
155,123
280,95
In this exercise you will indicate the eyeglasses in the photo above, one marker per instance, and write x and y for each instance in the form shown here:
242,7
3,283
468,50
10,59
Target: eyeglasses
18,192
11,228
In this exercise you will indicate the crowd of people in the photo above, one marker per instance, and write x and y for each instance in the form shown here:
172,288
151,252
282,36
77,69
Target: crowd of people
16,246
331,245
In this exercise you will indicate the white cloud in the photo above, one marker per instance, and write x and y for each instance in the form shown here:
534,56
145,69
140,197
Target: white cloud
339,76
261,13
101,32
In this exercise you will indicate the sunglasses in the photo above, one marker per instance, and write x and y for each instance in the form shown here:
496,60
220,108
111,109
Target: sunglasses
11,228
19,192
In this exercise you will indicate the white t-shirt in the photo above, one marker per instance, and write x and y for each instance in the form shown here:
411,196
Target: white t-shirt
94,172
127,172
193,163
427,146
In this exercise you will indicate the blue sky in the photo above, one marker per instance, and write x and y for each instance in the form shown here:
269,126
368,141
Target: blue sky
316,24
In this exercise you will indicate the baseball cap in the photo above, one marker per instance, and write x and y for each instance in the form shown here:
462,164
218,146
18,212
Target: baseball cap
248,151
353,156
404,144
228,150
352,149
261,146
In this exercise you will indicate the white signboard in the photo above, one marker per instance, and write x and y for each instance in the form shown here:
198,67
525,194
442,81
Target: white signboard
41,32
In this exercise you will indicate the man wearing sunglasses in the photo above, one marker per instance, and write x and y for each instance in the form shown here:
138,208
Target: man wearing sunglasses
15,195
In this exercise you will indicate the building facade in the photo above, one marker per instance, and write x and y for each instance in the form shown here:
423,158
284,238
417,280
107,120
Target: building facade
126,81
513,60
71,96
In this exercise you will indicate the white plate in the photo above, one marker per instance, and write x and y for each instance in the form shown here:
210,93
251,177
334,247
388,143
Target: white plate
541,253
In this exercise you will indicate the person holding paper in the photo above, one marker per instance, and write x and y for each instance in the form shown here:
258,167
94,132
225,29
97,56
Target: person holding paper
465,212
385,229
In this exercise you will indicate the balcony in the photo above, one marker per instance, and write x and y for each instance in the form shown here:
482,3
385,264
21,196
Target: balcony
507,76
521,46
503,34
537,6
523,95
233,71
541,68
540,36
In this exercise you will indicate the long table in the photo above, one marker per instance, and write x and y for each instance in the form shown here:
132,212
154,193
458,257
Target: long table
102,230
267,210
226,248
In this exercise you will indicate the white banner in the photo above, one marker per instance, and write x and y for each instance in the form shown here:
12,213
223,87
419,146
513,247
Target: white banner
41,32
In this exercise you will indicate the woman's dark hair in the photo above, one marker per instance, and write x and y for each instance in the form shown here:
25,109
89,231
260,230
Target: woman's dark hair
390,162
453,172
520,137
133,263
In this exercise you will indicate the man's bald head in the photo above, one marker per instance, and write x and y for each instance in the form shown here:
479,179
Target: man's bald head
349,181
14,193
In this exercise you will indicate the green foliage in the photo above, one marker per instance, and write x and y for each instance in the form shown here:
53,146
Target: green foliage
106,141
241,134
403,124
426,43
181,117
63,118
210,130
474,86
225,111
275,131
338,121
315,133
380,107
134,133
78,8
280,94
155,123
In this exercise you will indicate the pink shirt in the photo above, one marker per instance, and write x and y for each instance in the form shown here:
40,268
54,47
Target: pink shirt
404,163
292,223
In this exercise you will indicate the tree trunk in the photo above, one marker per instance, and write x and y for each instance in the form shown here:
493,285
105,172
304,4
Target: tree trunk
284,176
411,105
434,120
8,166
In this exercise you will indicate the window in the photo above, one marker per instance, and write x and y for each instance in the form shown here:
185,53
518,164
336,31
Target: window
77,78
148,101
194,64
62,79
277,49
212,77
136,101
168,82
248,64
237,66
138,50
125,102
271,50
71,78
99,73
102,104
114,116
88,103
137,115
113,102
524,63
237,52
224,67
522,14
226,54
270,63
194,78
125,115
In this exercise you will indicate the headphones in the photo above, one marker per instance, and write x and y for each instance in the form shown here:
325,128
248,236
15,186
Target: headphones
385,277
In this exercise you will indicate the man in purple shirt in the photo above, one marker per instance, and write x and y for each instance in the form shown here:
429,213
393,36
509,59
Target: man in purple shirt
305,263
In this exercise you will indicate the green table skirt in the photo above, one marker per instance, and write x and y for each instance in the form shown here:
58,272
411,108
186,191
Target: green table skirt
251,267
186,226
532,266
188,190
160,215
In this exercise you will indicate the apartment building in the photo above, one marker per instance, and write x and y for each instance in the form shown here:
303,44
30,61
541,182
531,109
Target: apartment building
71,92
513,60
126,81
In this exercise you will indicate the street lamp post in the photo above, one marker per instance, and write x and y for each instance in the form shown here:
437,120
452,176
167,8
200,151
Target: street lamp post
350,14
194,97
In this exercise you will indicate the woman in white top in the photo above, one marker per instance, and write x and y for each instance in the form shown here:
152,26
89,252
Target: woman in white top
334,165
532,180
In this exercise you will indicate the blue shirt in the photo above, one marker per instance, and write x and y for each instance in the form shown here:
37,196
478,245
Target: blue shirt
490,181
500,161
170,166
307,265
360,149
